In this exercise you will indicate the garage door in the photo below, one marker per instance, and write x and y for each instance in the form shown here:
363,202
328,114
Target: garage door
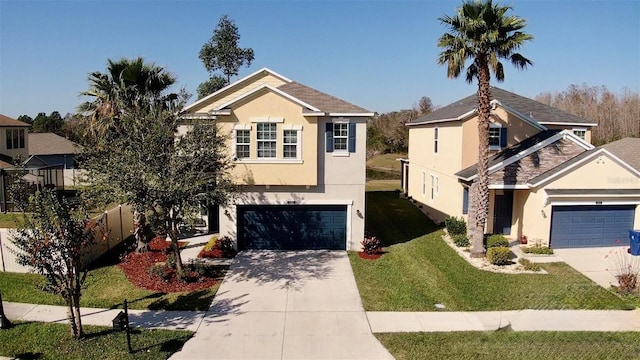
300,227
591,226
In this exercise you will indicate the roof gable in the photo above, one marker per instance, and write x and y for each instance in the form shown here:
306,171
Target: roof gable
6,121
527,109
627,149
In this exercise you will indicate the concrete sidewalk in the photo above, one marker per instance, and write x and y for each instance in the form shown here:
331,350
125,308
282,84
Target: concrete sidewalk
172,320
517,320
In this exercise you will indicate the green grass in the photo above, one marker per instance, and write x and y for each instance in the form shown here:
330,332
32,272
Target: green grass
512,345
386,161
106,287
414,275
54,341
9,220
383,185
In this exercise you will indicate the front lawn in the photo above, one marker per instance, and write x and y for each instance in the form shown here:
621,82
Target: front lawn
512,345
414,275
53,341
106,287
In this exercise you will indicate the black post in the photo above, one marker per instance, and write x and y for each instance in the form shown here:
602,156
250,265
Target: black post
4,322
126,316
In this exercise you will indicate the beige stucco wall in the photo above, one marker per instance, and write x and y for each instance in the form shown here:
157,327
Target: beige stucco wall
599,173
240,89
517,131
444,164
277,171
567,127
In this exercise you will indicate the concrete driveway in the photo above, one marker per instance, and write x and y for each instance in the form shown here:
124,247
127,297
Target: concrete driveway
286,305
597,263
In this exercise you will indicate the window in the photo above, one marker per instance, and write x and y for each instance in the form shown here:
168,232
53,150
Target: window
290,144
581,133
435,140
465,200
15,138
497,137
340,136
266,135
424,183
434,187
243,141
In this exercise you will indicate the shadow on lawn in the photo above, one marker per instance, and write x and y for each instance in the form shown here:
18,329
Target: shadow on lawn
30,356
198,300
170,346
394,220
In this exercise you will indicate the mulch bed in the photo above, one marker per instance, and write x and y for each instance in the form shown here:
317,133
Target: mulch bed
136,268
365,256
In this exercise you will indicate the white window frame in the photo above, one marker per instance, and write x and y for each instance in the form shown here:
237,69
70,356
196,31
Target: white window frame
436,135
267,141
424,183
236,128
500,145
339,124
575,132
298,144
434,187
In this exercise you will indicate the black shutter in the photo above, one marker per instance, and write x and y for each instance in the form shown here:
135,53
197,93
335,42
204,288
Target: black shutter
352,137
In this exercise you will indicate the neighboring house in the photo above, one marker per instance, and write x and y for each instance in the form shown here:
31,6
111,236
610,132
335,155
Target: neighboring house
49,150
13,138
546,181
300,160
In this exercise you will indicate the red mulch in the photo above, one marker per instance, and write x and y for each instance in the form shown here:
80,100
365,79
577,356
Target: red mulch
214,253
159,243
364,255
136,267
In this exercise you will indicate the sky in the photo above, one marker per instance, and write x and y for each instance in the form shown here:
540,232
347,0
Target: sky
380,55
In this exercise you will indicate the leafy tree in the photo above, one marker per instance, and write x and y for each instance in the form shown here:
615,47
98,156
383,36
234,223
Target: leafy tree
425,105
222,53
143,162
483,33
56,240
215,83
25,118
52,123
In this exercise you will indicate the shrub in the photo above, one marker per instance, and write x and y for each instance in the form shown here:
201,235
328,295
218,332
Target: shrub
161,270
543,250
455,225
528,265
370,245
225,244
499,255
497,240
461,240
211,243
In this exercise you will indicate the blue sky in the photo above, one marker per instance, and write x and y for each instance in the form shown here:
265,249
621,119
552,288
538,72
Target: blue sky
380,55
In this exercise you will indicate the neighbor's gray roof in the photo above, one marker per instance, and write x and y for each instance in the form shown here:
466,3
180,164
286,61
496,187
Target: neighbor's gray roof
627,149
6,121
537,111
51,144
322,101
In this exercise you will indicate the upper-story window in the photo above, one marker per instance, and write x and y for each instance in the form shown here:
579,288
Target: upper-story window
341,137
266,136
580,132
15,139
290,144
435,140
497,137
243,143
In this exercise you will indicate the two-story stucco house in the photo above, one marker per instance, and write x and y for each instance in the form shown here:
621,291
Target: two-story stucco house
546,181
300,161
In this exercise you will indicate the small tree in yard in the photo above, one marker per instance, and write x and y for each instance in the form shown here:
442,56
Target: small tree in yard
56,240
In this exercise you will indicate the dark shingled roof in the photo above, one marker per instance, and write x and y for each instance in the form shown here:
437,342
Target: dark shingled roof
509,152
627,149
320,100
6,121
51,144
537,111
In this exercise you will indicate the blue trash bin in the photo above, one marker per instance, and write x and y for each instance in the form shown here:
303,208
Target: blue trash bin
634,239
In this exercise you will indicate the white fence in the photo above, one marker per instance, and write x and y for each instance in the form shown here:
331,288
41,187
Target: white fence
118,223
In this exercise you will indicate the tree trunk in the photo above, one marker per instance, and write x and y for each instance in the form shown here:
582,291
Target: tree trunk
173,234
482,192
78,317
140,225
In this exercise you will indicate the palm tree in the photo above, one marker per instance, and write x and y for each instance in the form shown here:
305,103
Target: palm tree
126,85
483,33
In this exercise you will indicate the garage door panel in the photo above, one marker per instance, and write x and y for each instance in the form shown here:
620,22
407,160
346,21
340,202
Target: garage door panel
590,226
281,227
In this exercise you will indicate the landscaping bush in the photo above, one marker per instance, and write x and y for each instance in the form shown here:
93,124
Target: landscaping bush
218,248
541,250
461,240
455,225
370,245
499,255
161,270
528,265
225,244
497,240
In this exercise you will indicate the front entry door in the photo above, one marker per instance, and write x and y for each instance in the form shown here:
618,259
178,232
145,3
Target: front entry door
502,210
